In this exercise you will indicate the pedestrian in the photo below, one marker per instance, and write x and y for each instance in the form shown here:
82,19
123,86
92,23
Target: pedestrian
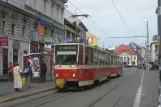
10,72
17,77
28,74
43,72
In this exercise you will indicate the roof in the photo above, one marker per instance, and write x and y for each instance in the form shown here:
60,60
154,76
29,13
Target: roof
124,49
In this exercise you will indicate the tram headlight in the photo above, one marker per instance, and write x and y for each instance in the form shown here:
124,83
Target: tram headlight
74,75
57,75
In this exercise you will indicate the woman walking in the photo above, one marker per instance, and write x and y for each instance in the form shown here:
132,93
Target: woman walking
17,78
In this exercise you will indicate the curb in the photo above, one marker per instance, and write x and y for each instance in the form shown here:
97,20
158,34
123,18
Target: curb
24,95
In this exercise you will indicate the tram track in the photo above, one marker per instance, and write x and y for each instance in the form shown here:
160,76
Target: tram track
56,96
108,92
122,96
120,99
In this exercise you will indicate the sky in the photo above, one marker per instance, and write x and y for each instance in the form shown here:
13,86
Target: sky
104,14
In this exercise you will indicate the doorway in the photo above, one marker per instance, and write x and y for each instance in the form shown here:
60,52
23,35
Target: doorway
5,61
15,56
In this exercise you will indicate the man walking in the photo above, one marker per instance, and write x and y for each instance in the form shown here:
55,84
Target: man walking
10,72
43,72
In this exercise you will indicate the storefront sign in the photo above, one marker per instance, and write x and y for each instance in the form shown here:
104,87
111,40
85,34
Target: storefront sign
3,41
17,3
34,47
41,30
68,40
45,23
16,44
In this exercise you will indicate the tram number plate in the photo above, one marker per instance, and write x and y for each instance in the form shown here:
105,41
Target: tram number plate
66,75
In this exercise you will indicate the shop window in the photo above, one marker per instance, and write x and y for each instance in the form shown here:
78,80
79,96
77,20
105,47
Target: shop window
80,58
88,56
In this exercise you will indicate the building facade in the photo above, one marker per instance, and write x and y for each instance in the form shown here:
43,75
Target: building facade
128,55
154,49
79,28
26,23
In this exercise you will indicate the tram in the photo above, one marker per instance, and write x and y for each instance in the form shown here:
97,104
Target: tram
80,65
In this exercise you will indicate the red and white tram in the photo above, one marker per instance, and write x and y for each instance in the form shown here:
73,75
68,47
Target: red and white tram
82,65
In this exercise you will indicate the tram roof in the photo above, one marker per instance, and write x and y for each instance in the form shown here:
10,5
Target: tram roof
99,48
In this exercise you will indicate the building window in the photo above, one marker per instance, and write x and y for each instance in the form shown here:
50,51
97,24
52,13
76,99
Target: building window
134,58
57,14
23,30
3,26
62,16
131,58
45,7
13,29
52,11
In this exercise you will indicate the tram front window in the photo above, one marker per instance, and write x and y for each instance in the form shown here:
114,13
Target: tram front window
66,59
66,55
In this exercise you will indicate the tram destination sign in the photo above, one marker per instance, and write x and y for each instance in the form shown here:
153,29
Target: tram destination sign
66,47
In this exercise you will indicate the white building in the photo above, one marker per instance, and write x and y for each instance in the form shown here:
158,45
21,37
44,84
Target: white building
154,49
128,55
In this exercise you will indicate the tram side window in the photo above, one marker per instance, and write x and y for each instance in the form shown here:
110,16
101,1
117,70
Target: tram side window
112,59
88,56
80,55
95,57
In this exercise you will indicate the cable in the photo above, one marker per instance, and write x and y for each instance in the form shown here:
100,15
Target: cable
121,17
89,19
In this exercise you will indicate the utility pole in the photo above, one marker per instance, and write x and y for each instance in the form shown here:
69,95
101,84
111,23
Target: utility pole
147,25
159,28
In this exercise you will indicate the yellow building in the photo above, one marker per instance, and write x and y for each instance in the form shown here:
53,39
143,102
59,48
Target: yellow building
92,40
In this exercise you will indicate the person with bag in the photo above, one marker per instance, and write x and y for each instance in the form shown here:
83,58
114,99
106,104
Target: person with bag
17,77
28,74
43,72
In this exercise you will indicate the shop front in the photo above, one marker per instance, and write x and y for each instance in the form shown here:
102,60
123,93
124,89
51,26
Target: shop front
11,51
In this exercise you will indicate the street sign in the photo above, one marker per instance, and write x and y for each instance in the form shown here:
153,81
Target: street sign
3,40
133,46
48,43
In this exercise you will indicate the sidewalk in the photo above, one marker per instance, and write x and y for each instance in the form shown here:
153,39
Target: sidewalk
7,92
150,91
3,78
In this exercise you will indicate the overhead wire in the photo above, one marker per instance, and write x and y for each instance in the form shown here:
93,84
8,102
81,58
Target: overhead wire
90,19
121,17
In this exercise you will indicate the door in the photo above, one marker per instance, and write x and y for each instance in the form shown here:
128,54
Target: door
5,61
15,56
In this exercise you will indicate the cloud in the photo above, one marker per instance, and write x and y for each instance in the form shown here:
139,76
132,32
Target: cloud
105,15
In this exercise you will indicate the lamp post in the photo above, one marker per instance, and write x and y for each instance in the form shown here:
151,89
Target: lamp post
147,45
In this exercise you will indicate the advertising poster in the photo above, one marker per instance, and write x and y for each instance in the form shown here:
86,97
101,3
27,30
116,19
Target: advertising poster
35,65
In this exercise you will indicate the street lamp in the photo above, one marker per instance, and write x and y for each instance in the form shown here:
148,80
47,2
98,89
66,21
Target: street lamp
147,45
